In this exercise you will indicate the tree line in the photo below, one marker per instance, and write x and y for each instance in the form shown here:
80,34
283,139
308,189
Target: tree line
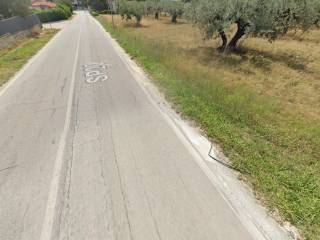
138,9
262,18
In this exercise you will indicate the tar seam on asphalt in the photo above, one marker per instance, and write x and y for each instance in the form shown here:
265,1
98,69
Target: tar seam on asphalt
7,168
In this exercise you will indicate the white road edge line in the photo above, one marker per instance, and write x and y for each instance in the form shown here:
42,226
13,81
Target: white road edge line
47,227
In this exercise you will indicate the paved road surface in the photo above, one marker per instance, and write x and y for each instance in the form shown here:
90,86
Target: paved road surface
57,25
97,160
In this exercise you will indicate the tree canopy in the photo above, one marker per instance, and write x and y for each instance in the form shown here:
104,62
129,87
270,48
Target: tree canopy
98,5
265,18
14,8
129,9
174,8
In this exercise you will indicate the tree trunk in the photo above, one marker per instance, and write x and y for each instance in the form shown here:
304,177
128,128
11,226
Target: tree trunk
138,20
224,41
156,16
174,18
241,31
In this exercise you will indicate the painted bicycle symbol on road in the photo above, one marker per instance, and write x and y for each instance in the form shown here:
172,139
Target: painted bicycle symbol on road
96,72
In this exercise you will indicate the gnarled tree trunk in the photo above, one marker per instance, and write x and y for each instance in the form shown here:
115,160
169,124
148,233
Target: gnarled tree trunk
138,20
224,39
241,31
174,18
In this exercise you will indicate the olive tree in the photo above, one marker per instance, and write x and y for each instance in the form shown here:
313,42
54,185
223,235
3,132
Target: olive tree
129,9
174,8
153,7
296,14
308,13
317,14
211,17
265,18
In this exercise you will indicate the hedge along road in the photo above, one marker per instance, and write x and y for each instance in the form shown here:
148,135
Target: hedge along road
85,154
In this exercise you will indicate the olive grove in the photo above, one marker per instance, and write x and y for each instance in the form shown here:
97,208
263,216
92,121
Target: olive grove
261,18
138,9
264,18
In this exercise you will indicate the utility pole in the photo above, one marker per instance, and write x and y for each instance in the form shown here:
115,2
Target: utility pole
112,5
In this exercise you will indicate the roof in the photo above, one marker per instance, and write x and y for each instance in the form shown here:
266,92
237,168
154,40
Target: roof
44,3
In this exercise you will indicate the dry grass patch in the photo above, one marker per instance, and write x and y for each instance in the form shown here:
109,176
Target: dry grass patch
287,69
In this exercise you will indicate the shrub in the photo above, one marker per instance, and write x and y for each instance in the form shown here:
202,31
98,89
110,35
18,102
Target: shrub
67,3
94,13
61,12
66,9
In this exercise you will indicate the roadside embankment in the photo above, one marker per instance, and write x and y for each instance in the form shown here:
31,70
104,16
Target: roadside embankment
260,105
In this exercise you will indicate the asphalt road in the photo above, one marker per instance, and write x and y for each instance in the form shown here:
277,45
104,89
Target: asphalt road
86,155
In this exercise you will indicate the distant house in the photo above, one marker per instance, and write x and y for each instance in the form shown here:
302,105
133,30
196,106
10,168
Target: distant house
42,5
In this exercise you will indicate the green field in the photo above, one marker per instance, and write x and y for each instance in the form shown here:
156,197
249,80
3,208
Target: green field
13,57
262,106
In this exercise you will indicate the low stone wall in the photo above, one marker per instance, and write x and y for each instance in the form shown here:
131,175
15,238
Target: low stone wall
17,24
13,29
8,39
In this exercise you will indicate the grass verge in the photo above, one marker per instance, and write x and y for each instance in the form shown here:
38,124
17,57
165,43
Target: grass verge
276,146
13,57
